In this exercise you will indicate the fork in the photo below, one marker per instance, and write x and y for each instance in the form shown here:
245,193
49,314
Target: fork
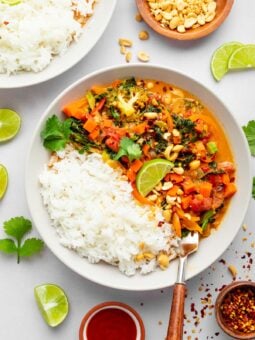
188,245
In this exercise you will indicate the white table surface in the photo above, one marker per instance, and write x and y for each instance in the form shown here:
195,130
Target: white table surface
19,316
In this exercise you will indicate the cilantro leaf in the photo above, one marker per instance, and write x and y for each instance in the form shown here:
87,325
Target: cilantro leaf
129,148
56,133
253,188
8,246
17,227
249,131
30,247
134,151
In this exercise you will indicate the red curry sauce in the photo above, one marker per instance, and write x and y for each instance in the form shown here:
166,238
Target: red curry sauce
111,324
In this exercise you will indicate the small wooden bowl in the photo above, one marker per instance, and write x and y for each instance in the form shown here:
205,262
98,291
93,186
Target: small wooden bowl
116,305
219,317
222,11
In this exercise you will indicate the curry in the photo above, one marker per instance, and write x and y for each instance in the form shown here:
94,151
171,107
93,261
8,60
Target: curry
133,122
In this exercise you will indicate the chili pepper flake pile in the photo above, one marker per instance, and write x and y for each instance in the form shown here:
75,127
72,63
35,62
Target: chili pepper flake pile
238,310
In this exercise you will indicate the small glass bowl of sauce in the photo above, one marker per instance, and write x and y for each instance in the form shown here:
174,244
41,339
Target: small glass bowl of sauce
235,309
112,321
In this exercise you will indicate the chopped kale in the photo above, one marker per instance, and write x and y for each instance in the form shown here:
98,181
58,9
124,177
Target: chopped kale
114,113
185,158
184,125
163,203
161,142
213,165
128,83
189,104
110,152
151,108
80,136
99,97
185,232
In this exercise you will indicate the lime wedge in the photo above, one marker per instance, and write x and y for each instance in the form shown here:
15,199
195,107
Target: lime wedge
10,123
243,57
3,180
11,2
52,302
151,173
220,59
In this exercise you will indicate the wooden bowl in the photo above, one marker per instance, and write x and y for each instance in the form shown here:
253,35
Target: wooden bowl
222,11
219,317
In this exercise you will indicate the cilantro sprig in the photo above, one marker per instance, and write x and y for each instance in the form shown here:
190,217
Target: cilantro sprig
249,131
253,188
17,228
129,148
56,133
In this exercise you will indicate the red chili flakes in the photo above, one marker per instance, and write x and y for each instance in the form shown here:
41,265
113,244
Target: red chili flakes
238,309
222,261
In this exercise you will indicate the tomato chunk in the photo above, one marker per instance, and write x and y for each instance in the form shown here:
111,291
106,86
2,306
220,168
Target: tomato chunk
199,204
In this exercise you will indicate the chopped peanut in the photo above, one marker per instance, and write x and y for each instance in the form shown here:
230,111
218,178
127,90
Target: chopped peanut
143,35
182,15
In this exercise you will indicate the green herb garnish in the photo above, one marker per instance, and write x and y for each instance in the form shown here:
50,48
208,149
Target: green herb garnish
56,133
79,135
249,131
185,232
17,227
129,148
253,188
184,125
161,142
128,83
207,218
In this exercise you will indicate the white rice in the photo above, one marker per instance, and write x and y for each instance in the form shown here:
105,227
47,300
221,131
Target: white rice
34,31
94,213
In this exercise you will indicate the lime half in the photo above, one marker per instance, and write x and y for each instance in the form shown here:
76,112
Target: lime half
9,124
220,59
151,173
52,302
3,180
243,57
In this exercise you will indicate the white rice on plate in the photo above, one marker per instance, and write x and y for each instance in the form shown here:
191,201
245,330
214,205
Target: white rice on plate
94,213
32,32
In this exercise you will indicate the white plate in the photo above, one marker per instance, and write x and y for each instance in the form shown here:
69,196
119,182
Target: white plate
93,30
209,250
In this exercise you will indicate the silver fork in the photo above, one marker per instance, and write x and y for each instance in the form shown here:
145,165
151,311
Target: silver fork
188,245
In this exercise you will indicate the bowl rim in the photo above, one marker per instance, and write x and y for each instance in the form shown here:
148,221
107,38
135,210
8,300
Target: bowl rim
190,34
112,304
115,69
39,77
228,288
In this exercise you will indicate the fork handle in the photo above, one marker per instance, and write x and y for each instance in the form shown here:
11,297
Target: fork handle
175,326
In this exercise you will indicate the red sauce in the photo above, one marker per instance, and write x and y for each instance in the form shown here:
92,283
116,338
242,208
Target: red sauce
111,324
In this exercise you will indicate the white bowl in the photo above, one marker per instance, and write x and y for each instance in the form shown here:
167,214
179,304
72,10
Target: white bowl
92,32
209,249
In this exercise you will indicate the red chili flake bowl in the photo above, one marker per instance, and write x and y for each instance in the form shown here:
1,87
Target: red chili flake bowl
233,290
112,320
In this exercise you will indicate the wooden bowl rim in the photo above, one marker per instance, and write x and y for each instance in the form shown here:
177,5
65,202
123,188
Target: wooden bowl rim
112,304
191,34
218,302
